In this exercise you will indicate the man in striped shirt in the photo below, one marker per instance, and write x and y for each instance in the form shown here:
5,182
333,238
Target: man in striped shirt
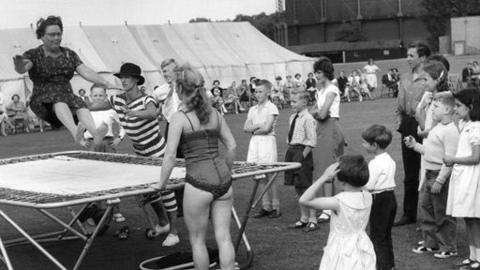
138,116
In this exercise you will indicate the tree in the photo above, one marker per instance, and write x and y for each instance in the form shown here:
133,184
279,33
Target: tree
263,22
199,19
440,12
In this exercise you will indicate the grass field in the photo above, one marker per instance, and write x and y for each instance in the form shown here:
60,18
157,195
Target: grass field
274,245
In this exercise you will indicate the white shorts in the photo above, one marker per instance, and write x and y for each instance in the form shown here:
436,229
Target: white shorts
262,148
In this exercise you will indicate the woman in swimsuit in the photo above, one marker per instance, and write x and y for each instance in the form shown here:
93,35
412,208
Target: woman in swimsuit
198,128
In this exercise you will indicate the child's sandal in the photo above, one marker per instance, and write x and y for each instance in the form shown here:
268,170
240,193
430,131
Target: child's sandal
475,265
465,262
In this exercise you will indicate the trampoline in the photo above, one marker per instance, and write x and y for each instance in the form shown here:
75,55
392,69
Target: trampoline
66,179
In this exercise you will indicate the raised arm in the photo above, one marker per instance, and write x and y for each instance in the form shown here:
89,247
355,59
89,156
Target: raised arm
92,76
309,197
22,64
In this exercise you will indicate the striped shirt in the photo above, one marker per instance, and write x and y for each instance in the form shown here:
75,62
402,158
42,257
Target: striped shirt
144,133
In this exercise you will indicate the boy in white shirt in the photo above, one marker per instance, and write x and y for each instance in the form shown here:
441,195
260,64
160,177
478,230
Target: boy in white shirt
438,229
381,184
105,118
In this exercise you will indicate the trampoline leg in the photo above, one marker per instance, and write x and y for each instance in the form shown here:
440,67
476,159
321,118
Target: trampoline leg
267,186
75,217
247,213
31,240
66,226
252,203
248,248
89,242
4,256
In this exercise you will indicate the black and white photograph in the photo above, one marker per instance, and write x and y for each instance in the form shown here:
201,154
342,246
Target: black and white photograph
239,134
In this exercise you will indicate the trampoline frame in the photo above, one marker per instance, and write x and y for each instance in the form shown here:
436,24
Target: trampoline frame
112,199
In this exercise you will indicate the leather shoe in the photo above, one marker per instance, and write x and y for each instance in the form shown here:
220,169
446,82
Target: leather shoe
262,213
404,221
275,213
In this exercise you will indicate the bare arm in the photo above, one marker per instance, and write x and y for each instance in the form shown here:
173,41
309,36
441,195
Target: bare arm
149,113
227,139
92,76
22,64
321,114
309,196
248,126
174,133
266,127
473,159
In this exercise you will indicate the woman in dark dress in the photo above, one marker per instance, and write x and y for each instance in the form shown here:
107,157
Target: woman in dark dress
51,67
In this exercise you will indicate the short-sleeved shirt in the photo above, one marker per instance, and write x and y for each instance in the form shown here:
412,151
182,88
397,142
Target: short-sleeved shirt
259,113
321,96
170,104
144,133
305,130
382,173
371,69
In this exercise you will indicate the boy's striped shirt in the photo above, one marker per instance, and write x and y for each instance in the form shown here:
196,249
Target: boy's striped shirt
144,133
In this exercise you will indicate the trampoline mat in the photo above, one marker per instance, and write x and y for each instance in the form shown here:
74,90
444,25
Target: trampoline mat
66,175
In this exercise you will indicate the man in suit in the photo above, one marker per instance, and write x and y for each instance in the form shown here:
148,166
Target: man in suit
410,92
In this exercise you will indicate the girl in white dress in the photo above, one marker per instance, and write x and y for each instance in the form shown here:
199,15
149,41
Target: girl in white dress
464,191
348,245
261,122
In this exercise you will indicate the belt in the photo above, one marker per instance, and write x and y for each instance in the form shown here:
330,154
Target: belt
105,138
377,192
296,146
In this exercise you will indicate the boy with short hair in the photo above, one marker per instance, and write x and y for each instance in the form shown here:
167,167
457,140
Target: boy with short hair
302,137
438,229
105,118
381,185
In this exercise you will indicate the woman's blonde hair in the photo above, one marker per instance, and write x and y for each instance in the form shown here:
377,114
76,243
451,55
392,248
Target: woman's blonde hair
190,83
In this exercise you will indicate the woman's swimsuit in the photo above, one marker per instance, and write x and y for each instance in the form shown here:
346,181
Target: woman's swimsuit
205,169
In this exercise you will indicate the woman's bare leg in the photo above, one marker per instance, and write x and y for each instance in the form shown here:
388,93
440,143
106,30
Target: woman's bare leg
85,118
221,218
196,211
63,113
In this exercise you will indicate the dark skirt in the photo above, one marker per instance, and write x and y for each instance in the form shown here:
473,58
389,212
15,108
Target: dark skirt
42,105
330,145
